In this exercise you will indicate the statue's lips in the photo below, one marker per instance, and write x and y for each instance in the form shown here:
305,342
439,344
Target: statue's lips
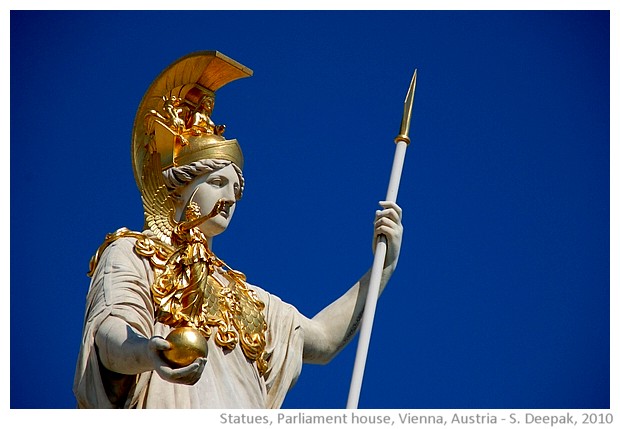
222,208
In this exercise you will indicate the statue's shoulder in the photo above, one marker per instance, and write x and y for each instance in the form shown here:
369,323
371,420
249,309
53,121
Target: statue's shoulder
261,293
142,244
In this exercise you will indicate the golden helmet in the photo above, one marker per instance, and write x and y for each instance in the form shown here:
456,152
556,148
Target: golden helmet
174,116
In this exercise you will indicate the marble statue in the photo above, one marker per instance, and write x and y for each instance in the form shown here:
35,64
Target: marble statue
145,285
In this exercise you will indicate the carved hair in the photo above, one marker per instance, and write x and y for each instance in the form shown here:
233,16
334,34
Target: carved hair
177,177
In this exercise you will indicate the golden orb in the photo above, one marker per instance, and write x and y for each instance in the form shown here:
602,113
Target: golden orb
187,345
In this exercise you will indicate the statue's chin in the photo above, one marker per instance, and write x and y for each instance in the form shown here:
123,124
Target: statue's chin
215,226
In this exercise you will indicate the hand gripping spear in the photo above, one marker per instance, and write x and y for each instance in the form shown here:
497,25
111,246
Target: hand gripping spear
402,141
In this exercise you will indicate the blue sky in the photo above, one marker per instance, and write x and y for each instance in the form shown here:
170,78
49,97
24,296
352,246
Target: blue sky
501,298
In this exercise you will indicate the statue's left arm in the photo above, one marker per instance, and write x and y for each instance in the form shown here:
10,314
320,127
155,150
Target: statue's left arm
334,326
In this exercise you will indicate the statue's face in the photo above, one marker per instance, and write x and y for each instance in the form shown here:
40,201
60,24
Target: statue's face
207,190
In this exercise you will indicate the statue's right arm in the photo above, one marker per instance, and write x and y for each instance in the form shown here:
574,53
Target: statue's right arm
332,328
121,349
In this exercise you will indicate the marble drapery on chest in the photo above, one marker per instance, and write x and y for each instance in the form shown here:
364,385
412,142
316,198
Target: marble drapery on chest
120,287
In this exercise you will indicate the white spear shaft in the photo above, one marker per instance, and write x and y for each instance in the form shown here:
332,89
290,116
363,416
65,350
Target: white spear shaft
402,141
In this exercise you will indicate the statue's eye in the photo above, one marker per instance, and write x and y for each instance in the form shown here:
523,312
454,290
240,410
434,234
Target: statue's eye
217,181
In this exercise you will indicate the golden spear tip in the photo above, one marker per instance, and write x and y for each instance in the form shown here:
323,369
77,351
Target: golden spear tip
404,125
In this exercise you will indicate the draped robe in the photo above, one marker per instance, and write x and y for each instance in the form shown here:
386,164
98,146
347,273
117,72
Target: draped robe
121,287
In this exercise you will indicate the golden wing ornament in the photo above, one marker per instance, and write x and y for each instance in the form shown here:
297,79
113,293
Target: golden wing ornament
158,205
